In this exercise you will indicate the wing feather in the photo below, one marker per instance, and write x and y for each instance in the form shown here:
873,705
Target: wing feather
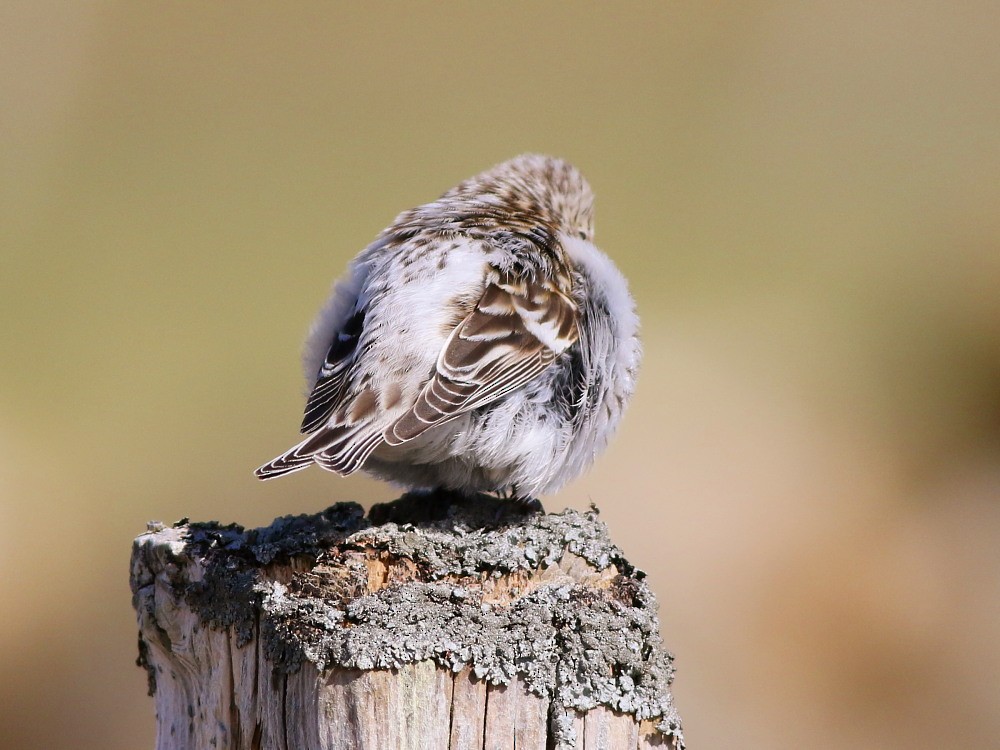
332,377
516,330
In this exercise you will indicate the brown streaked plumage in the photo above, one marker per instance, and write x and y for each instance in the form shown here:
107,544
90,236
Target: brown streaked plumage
481,343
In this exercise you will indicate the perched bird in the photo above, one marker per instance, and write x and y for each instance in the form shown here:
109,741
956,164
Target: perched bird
481,343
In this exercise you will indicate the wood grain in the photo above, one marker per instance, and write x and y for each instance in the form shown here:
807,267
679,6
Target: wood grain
221,684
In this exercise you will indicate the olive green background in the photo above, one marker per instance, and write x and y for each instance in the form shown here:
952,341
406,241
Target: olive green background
804,197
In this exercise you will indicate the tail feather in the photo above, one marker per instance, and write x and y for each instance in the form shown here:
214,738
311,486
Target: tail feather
347,457
336,449
281,466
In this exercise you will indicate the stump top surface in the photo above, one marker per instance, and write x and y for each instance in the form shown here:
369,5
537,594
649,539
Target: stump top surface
495,585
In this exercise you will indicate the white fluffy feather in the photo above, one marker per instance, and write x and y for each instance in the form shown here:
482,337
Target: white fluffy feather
522,402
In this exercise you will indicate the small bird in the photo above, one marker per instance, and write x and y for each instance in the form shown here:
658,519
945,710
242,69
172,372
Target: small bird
481,343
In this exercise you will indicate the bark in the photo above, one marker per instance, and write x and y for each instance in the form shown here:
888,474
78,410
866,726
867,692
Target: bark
435,622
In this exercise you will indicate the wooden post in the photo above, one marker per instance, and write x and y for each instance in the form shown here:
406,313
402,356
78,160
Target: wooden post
435,622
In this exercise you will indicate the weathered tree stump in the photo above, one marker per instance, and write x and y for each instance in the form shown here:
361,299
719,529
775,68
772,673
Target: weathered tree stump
435,622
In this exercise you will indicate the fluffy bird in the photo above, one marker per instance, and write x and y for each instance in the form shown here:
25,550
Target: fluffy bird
482,343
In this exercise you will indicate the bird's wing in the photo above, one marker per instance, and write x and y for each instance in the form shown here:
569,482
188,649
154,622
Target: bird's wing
515,331
328,392
338,416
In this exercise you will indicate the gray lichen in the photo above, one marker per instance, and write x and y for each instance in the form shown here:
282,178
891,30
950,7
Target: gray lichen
495,585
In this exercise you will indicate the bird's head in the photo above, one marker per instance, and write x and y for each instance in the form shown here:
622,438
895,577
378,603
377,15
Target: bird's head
534,187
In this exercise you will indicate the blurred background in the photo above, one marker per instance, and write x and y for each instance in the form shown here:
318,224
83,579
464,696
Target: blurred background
805,197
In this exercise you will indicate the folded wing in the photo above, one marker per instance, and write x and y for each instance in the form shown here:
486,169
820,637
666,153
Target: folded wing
517,329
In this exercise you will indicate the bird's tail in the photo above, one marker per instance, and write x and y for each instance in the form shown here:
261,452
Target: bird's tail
336,449
287,463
